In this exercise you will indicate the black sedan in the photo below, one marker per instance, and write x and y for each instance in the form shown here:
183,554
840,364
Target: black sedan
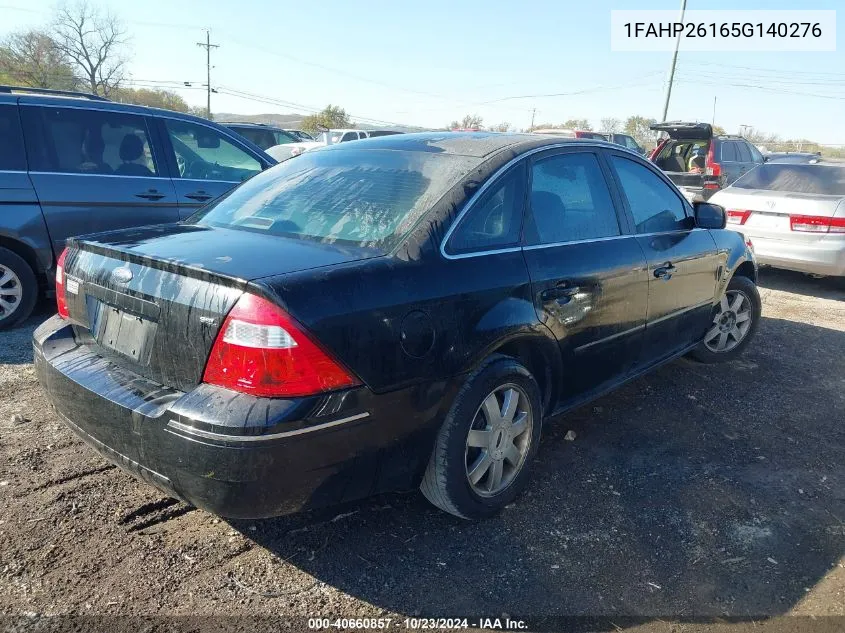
398,312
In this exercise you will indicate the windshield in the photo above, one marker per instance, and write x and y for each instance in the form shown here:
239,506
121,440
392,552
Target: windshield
366,198
826,180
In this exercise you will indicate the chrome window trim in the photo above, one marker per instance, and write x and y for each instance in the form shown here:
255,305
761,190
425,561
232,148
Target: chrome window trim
224,437
513,249
14,171
74,173
489,183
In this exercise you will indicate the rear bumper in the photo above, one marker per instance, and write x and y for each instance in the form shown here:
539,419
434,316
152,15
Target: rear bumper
236,455
825,256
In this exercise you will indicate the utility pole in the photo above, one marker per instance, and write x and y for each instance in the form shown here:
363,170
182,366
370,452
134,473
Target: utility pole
672,66
714,111
207,45
533,112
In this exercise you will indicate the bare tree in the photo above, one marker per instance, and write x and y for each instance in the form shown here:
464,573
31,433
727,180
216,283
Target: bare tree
610,125
30,58
93,41
500,127
469,122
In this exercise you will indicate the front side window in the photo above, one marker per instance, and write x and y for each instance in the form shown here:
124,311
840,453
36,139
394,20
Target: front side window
495,219
655,206
90,142
345,196
569,201
12,155
756,156
743,153
203,153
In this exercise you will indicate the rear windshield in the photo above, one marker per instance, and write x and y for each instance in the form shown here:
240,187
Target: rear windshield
827,180
367,198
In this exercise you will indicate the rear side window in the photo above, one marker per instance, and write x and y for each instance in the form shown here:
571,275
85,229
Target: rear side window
655,206
12,156
569,201
77,141
495,220
729,154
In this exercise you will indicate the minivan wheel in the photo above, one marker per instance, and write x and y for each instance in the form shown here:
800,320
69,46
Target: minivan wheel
735,321
18,289
482,455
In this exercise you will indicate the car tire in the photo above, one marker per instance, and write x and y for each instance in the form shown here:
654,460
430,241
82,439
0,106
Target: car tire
19,289
740,304
490,441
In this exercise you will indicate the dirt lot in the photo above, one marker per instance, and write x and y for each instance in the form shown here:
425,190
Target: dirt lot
698,491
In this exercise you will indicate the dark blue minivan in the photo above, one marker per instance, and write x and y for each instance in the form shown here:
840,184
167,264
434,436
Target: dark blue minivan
74,163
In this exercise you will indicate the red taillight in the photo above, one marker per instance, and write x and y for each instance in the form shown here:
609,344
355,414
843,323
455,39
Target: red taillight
260,350
61,297
711,167
816,224
711,185
737,216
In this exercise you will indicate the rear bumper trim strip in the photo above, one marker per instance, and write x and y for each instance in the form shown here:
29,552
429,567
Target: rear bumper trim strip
223,437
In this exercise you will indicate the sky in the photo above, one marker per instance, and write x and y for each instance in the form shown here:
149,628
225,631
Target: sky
428,63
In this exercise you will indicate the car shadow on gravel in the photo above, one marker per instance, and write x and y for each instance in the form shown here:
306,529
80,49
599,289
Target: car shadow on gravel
699,491
799,283
16,343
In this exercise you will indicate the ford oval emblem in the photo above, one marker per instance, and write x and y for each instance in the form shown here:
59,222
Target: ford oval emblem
121,275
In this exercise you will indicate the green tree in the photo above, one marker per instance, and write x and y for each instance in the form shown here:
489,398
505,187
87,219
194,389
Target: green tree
577,124
31,58
330,117
152,98
638,127
469,122
93,42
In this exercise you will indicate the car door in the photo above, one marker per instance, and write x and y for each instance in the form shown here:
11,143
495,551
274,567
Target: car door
205,162
746,160
683,262
95,170
588,273
731,163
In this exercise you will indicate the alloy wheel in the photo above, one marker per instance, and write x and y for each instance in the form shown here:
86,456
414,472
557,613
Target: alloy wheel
731,322
499,440
11,292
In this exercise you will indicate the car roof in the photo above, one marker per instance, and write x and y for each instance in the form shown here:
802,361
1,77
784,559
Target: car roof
472,144
260,126
88,103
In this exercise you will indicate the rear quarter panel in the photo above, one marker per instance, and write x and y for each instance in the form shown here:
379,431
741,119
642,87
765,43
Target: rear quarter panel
732,253
396,322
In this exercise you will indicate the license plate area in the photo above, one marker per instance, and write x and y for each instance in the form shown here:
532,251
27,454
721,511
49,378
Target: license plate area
120,331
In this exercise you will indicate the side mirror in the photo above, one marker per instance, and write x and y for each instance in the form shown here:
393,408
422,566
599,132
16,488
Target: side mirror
709,216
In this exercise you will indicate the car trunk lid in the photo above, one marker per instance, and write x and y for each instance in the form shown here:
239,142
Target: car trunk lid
766,214
682,130
153,299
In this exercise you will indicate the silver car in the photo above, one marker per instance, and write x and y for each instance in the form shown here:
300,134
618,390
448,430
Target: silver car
793,214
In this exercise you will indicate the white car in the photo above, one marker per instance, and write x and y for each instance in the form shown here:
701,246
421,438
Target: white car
794,215
329,137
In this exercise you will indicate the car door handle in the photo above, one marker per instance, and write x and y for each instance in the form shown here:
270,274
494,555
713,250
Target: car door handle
152,194
561,293
199,196
665,271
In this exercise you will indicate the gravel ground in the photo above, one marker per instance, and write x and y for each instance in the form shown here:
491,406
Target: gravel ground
695,492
